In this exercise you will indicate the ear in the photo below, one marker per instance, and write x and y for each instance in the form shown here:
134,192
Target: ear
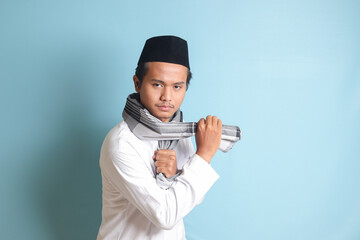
136,83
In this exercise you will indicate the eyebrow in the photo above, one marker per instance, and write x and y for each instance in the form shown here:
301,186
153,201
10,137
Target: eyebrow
162,82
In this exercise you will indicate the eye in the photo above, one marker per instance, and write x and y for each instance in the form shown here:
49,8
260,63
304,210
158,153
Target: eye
177,86
156,85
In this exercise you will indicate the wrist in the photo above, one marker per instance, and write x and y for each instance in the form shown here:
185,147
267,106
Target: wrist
204,156
171,178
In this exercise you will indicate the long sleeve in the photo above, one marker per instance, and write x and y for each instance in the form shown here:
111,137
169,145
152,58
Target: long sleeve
124,168
165,182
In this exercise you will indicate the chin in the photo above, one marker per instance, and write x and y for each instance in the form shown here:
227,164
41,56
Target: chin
162,117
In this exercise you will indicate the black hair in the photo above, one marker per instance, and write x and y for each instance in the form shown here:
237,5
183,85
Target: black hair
143,67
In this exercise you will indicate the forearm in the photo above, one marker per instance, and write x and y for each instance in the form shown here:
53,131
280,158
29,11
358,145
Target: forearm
163,207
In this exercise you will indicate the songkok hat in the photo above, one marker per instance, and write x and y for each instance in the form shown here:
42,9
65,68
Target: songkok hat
169,49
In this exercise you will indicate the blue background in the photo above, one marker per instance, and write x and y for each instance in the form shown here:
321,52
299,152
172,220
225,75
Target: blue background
286,72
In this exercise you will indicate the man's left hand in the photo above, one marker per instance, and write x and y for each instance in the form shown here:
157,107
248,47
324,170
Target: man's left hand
165,161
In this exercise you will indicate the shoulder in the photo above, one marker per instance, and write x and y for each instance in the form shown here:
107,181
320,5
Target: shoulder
119,135
121,130
121,145
119,142
123,155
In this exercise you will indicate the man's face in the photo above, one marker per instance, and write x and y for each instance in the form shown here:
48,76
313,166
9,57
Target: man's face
163,89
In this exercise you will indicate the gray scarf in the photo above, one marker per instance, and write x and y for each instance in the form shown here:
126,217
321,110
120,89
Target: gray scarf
147,127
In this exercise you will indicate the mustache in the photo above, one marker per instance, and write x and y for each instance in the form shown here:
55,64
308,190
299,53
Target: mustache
165,105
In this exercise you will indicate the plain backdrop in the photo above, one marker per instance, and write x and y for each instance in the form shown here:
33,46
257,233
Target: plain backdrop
287,72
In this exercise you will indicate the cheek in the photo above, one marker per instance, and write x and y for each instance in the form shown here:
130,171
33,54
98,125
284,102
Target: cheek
180,98
145,95
150,96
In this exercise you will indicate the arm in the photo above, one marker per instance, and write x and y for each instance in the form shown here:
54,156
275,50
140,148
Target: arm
126,170
208,139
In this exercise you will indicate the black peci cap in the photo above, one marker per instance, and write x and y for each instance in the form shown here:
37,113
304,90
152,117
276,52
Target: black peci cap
169,49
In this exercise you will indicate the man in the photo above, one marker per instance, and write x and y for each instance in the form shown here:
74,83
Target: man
148,189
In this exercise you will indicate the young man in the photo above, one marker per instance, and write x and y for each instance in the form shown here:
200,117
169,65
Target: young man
150,185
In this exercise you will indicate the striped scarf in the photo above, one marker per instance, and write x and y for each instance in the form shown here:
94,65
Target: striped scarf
147,127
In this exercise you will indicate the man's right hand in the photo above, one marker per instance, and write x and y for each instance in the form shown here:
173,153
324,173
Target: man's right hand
208,137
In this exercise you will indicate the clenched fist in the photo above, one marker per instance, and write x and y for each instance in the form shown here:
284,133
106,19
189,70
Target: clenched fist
165,161
208,137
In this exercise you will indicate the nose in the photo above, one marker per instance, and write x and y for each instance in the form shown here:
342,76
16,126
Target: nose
166,94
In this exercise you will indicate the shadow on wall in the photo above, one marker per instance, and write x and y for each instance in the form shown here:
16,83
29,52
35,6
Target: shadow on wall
68,184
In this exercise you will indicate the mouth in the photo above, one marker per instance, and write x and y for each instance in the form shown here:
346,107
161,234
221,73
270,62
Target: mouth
165,108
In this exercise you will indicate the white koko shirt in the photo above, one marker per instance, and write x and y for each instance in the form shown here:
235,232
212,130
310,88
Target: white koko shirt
134,206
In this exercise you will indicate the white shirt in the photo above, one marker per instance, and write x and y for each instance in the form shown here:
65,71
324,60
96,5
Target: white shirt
134,206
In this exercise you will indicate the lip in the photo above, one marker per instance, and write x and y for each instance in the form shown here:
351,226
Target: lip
164,108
